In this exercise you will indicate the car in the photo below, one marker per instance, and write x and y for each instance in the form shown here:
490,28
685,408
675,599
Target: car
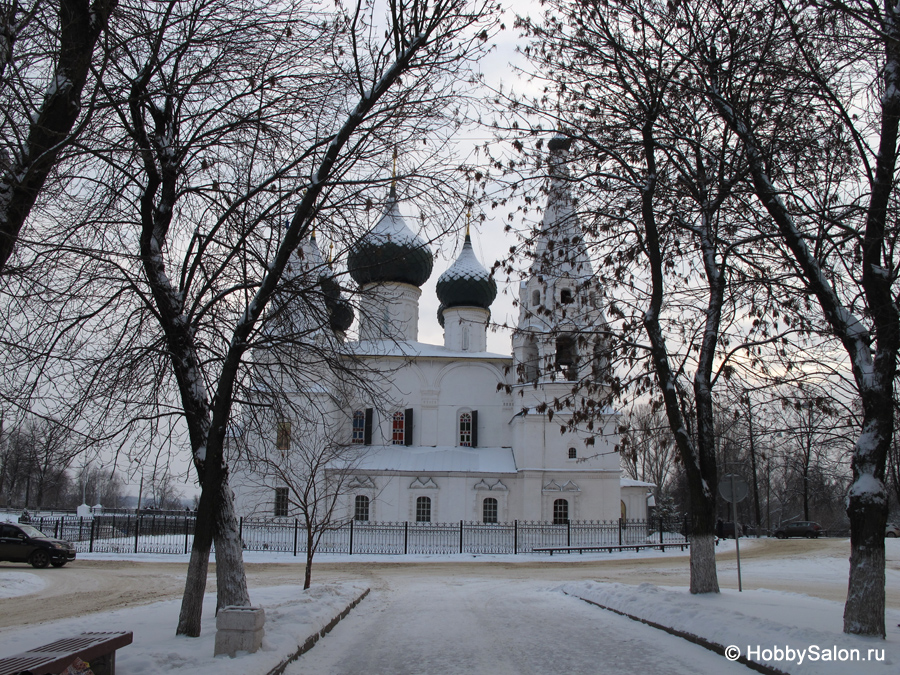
726,530
24,543
892,530
802,528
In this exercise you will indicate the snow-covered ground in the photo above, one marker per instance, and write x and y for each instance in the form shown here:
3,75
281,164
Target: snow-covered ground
502,614
794,633
14,584
292,615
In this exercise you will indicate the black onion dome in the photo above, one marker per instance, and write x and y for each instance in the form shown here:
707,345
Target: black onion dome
467,283
559,143
340,313
440,314
390,251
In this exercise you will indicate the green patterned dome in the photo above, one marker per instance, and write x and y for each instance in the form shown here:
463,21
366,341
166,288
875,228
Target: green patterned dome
390,251
467,283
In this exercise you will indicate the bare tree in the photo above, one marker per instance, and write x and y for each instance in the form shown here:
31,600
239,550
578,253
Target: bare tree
794,84
647,448
46,51
230,131
34,459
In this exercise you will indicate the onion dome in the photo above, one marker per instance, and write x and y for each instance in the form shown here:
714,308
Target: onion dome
390,251
340,313
559,142
466,284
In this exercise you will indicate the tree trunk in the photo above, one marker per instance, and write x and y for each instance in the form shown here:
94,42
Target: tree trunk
195,582
864,609
310,552
231,581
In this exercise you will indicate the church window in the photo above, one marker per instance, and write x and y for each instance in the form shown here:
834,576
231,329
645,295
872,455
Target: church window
423,510
573,453
489,510
281,502
561,512
283,435
398,429
359,427
535,298
565,296
361,510
465,430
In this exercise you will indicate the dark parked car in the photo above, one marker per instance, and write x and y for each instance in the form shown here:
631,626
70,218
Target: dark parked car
24,543
801,528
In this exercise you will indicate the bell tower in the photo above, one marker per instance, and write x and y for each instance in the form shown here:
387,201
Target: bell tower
557,337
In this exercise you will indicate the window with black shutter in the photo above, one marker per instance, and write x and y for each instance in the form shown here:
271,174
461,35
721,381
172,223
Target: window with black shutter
408,438
367,431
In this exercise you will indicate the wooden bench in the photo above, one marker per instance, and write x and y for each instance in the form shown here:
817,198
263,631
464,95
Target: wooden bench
609,547
98,649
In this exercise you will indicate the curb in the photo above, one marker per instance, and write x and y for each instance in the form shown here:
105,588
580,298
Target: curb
690,637
315,637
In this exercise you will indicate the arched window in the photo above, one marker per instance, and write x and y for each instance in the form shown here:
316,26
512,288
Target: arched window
359,427
535,298
565,296
560,512
489,510
423,510
399,428
361,509
624,510
465,430
573,453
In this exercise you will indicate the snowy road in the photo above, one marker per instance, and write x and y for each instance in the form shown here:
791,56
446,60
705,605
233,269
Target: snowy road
476,626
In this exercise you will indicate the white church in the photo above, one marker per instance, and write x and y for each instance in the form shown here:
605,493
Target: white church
453,432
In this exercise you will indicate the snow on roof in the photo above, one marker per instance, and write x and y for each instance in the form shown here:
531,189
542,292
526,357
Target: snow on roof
435,459
412,349
630,482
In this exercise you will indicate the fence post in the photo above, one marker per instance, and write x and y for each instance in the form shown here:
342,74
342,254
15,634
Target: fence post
295,537
91,547
241,531
351,536
80,525
515,537
568,532
460,536
56,528
620,531
137,531
405,537
661,540
185,534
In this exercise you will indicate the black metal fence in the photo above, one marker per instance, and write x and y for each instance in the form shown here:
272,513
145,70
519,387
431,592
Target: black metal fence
164,533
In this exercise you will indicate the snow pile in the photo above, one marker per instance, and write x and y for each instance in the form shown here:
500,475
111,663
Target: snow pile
292,616
806,630
15,583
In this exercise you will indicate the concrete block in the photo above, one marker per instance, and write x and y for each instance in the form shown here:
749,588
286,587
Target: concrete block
239,629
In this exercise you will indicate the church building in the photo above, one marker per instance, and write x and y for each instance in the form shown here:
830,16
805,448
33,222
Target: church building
453,432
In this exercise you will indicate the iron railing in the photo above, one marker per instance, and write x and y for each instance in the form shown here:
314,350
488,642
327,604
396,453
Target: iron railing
164,533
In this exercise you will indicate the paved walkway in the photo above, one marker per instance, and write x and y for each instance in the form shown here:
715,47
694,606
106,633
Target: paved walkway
455,626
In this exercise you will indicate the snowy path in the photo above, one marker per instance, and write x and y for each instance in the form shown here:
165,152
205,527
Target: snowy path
479,626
